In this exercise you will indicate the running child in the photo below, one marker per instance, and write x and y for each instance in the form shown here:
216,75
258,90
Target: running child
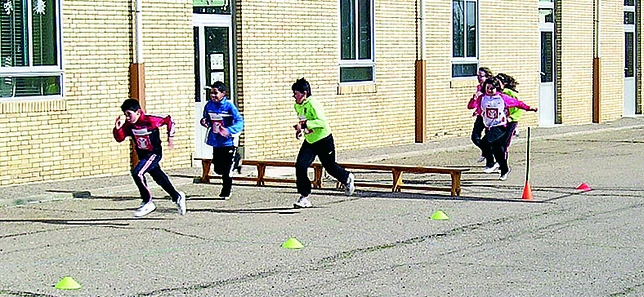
318,141
494,110
477,130
224,124
144,129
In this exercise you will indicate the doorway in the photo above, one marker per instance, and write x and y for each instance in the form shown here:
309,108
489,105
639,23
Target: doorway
547,87
630,58
213,62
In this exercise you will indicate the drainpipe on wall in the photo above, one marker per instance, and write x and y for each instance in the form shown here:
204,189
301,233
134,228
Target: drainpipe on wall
596,62
137,73
421,80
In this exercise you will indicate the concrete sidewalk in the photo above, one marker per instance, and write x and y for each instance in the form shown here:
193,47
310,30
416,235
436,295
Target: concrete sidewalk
84,187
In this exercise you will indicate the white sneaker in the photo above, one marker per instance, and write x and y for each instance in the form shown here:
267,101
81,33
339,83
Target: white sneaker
350,185
480,159
145,209
303,202
505,176
181,203
493,169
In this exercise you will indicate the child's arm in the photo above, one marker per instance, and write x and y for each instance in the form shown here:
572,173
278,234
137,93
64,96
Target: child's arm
160,120
238,121
317,119
512,102
205,119
118,131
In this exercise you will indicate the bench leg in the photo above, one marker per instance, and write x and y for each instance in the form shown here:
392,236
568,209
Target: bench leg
456,184
261,170
205,170
317,180
397,180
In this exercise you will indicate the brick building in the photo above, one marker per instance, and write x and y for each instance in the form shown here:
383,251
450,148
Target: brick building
388,72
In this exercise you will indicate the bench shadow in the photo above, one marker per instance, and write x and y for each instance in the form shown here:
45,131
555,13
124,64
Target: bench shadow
268,210
108,222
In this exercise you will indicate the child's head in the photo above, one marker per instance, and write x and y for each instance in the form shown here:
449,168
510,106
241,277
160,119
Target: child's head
218,91
507,81
491,86
483,74
301,90
131,109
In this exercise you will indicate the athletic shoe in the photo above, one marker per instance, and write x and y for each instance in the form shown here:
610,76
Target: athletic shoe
505,176
181,203
350,185
480,159
145,209
224,197
493,169
303,202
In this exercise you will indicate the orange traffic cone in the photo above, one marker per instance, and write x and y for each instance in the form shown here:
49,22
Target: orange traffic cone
527,191
584,187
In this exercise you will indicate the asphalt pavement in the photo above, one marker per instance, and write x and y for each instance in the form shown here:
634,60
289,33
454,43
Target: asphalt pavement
563,242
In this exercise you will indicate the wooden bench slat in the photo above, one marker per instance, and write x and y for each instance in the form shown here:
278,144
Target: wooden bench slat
396,170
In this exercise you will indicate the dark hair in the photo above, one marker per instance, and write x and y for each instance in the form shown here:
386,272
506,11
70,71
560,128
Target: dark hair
508,81
487,71
130,104
301,85
491,81
220,86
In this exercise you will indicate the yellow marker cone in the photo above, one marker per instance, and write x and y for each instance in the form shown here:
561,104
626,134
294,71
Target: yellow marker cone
67,283
439,215
292,243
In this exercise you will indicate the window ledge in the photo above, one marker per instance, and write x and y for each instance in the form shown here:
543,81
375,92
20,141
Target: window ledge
28,106
357,89
466,82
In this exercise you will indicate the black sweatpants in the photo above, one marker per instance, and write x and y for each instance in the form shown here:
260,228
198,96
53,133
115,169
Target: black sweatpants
150,164
477,131
494,145
324,149
222,161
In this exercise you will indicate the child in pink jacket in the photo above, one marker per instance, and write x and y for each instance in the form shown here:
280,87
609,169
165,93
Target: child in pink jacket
494,107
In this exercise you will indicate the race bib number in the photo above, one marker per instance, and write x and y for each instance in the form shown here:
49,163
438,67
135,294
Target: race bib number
142,139
492,113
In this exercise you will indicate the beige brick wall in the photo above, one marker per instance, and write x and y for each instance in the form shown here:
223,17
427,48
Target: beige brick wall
72,137
291,44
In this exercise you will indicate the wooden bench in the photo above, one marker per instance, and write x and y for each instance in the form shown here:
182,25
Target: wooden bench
397,173
261,178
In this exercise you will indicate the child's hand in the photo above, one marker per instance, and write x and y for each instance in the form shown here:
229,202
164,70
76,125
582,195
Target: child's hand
224,132
204,123
532,109
170,143
298,134
119,123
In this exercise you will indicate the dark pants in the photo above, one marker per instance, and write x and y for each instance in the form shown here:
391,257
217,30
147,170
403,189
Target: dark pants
150,164
477,131
324,149
509,134
222,161
494,145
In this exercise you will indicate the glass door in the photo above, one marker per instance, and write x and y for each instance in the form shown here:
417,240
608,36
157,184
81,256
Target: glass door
629,58
547,98
213,62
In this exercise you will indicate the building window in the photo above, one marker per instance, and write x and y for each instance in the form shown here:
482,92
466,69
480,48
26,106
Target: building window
356,41
30,49
465,38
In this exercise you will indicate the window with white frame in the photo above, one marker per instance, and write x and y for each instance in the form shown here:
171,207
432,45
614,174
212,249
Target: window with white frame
30,64
465,39
356,41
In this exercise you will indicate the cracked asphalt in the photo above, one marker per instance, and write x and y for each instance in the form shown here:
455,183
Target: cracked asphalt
564,242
